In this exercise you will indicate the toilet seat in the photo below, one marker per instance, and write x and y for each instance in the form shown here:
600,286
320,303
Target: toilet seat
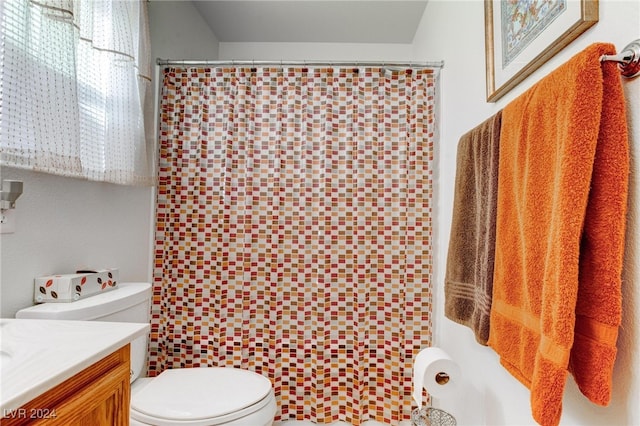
199,396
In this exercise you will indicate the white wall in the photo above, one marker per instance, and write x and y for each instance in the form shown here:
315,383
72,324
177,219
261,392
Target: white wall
65,224
178,31
316,51
491,396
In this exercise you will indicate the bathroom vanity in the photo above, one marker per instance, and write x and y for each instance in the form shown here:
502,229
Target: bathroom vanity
66,372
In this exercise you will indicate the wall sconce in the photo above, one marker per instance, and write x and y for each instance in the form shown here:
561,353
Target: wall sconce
11,190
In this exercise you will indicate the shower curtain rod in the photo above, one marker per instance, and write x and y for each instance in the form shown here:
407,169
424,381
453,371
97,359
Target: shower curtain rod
438,64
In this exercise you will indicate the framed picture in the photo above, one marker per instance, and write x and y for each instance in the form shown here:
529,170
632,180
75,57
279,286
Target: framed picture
521,35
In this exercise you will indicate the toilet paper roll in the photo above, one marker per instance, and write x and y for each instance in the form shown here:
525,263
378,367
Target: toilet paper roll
435,371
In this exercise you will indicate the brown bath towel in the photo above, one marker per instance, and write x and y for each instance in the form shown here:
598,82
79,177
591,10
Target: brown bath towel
562,192
469,275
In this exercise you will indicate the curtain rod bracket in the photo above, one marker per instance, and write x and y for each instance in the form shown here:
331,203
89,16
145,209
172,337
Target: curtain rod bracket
628,60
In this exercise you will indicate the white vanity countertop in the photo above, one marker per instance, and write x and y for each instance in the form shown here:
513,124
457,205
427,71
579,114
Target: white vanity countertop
37,355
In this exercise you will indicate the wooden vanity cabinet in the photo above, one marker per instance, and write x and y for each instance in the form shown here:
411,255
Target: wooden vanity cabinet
98,395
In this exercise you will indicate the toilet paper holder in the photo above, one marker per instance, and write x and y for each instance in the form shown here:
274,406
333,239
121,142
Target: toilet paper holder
429,416
435,372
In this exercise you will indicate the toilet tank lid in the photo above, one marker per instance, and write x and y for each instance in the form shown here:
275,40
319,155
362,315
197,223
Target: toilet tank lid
93,307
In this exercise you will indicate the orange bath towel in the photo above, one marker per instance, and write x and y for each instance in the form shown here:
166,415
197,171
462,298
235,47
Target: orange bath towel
562,190
468,282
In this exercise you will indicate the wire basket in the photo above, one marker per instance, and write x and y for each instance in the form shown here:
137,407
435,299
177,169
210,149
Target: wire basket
428,416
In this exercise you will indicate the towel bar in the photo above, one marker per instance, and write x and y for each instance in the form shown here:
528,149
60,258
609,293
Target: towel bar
628,60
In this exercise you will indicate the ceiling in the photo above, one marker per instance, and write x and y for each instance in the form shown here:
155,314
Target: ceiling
319,21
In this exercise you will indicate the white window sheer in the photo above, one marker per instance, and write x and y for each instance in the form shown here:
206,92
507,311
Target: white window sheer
74,79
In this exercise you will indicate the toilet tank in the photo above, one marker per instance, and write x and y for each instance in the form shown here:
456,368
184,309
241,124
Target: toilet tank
129,302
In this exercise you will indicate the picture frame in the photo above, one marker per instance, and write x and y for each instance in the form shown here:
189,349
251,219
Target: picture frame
518,40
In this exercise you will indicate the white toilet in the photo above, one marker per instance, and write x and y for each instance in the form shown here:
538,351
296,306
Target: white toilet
186,396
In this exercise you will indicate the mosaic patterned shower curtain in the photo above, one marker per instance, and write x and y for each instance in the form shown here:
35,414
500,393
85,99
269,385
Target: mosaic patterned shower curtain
293,233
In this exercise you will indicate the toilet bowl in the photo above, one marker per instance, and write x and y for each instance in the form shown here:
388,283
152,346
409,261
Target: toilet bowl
205,396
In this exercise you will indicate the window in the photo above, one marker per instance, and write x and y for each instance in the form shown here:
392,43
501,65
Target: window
74,76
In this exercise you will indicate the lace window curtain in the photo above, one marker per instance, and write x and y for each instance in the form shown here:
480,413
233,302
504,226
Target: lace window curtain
74,80
293,233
